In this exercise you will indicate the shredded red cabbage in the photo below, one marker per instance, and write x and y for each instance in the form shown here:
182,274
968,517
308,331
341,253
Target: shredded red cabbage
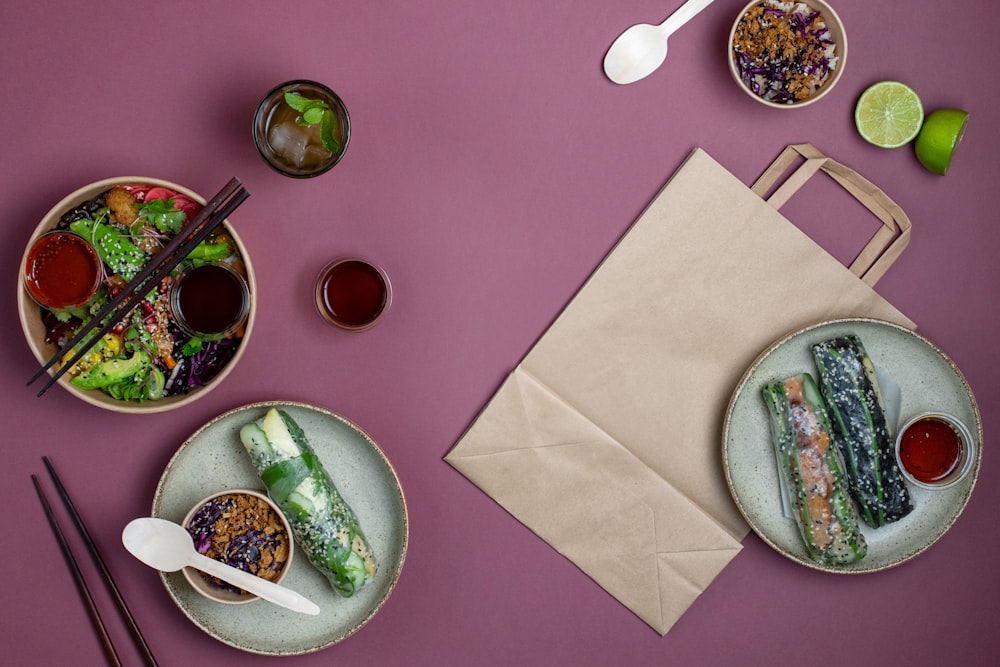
783,51
243,551
200,368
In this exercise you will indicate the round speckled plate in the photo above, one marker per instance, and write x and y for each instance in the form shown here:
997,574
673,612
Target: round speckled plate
213,459
928,380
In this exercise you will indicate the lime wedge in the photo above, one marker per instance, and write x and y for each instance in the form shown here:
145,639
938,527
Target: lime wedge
939,137
889,114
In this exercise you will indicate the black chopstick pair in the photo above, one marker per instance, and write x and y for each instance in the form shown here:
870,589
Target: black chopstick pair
81,584
204,223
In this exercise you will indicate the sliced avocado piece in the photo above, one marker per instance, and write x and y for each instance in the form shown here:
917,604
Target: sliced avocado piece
112,371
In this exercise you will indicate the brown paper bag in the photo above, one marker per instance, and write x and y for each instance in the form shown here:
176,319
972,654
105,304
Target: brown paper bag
605,440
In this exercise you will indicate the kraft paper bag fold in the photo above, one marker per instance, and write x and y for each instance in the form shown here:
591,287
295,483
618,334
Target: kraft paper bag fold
605,440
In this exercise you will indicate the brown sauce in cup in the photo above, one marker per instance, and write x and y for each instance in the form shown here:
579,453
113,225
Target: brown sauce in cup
210,300
352,294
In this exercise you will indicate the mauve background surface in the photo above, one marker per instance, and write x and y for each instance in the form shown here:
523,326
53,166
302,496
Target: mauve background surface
492,166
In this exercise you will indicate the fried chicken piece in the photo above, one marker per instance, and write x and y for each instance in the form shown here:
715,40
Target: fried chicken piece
123,205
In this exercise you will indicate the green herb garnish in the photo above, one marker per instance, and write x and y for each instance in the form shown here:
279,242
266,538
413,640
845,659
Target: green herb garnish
163,214
312,112
192,346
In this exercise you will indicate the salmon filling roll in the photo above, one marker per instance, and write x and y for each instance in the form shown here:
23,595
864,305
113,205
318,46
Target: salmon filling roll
813,472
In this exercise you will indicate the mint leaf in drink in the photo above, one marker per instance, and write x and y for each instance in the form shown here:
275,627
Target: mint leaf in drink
297,102
312,115
312,112
326,132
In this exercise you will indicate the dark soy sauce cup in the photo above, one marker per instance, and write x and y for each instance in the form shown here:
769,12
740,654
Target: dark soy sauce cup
352,294
211,301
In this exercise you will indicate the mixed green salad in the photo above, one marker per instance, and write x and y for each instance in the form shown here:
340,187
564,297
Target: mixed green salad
146,357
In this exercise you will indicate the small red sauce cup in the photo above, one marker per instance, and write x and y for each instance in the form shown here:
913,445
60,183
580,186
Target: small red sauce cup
62,271
935,450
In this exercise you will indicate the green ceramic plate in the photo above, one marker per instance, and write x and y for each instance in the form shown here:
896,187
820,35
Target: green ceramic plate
928,380
213,459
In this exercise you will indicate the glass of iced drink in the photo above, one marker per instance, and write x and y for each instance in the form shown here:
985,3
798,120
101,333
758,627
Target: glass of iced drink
301,128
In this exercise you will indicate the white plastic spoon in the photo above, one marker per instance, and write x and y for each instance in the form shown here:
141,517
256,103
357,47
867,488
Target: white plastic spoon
642,48
166,546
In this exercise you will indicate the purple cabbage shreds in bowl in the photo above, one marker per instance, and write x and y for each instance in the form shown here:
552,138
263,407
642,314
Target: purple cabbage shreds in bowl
242,529
198,362
202,524
787,53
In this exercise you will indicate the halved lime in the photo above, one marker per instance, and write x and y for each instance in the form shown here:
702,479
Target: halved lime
889,114
939,137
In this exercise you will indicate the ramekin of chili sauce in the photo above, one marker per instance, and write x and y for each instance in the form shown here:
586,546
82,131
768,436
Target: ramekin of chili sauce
935,450
62,271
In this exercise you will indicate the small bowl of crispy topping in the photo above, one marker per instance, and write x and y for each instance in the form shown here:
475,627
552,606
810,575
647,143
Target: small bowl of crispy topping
787,55
244,529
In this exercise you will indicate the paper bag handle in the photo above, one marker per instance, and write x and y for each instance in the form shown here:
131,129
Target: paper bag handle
889,241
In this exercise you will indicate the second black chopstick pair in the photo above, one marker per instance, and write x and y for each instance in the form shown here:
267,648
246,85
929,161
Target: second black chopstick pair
107,645
204,223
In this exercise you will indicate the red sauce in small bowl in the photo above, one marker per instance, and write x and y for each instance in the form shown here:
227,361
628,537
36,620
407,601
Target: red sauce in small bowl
930,449
62,271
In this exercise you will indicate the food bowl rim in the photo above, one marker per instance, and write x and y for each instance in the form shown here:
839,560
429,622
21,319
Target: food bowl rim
27,308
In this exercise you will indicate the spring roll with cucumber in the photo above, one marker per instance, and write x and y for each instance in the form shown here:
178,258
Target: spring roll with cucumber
321,520
813,473
862,433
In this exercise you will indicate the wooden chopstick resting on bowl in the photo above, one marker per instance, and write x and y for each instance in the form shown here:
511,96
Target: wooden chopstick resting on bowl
95,555
208,219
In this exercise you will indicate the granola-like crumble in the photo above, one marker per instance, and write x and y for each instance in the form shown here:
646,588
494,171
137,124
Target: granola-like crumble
243,531
783,50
